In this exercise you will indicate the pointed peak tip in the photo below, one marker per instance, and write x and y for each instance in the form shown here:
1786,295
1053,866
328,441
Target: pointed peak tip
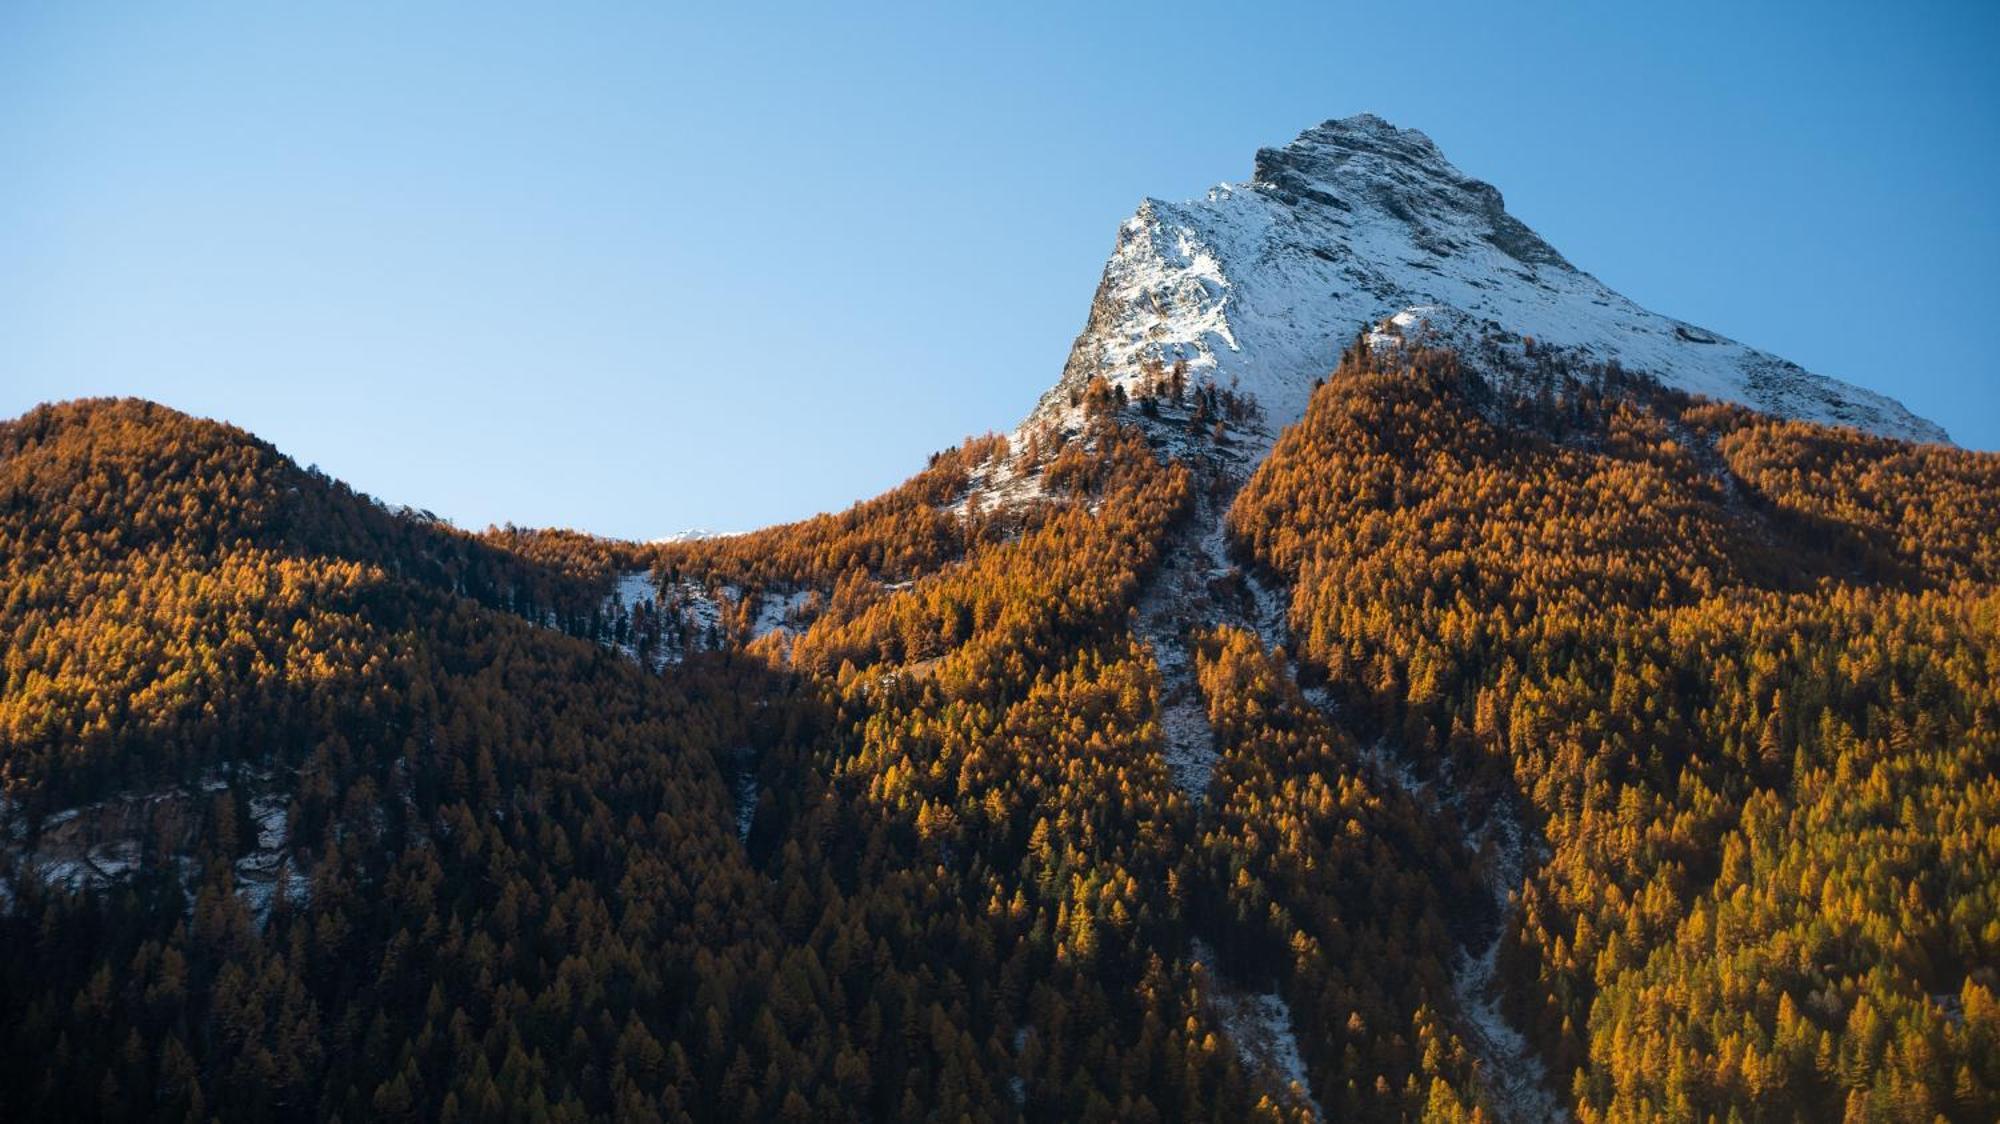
1367,128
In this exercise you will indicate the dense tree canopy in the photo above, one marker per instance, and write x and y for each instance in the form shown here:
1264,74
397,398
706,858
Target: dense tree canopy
321,809
1744,670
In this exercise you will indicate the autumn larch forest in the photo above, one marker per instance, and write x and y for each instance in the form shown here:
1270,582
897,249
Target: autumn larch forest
322,809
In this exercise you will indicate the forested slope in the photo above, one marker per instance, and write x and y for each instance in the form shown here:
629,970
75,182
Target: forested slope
1742,672
492,862
319,809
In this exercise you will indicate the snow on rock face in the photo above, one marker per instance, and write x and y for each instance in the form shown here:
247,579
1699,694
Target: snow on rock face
1260,1024
780,610
102,844
660,625
1263,283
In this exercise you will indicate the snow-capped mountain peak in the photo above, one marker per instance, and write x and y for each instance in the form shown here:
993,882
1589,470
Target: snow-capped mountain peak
1354,221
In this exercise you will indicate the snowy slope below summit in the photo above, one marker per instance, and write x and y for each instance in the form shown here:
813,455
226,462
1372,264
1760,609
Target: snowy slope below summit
1263,283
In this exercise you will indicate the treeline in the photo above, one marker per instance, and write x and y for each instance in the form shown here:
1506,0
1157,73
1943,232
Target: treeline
905,532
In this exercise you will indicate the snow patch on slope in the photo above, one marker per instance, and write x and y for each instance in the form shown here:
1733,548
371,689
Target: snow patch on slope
270,873
1515,1080
999,482
1260,1025
659,625
1176,600
1512,1070
781,611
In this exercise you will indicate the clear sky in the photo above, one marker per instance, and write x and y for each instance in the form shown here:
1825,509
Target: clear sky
634,269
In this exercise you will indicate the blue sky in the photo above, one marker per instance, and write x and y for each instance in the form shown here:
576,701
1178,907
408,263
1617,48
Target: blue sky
634,269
